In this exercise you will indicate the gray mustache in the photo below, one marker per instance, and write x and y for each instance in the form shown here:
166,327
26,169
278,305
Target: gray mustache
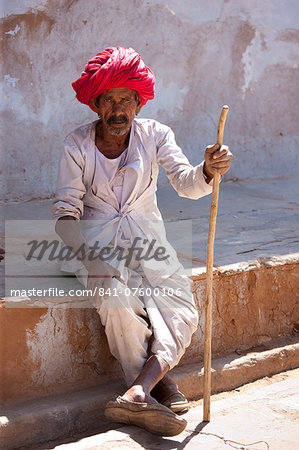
119,119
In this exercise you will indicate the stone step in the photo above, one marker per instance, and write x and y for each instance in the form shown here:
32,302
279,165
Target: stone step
63,418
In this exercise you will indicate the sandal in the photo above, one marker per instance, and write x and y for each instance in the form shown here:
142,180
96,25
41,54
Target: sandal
155,418
176,402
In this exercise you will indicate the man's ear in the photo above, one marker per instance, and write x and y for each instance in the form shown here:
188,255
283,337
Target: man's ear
94,103
139,106
139,103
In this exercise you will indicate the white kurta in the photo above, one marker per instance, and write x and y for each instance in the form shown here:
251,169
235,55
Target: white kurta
89,188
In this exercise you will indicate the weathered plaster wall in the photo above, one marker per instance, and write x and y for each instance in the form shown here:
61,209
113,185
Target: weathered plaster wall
204,54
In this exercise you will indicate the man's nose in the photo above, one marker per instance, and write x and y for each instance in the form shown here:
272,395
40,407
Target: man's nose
117,107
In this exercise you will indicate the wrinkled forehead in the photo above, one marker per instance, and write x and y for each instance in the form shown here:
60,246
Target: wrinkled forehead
117,92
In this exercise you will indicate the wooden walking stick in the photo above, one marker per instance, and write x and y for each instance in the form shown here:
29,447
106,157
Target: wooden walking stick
209,291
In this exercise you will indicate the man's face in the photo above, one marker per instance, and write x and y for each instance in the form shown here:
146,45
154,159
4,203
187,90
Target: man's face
117,108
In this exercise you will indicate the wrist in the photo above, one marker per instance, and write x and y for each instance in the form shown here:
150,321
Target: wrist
208,176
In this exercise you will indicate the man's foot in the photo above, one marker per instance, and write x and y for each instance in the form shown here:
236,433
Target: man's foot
137,394
164,389
168,394
177,403
154,369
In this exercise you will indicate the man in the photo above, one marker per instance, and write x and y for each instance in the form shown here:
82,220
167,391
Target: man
107,176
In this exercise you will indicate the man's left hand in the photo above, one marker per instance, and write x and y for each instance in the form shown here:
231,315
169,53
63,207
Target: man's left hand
217,160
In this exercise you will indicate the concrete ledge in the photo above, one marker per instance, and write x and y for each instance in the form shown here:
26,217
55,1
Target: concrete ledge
232,370
262,262
65,417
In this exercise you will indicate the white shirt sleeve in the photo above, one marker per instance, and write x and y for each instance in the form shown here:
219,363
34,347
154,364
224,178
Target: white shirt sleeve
187,180
70,187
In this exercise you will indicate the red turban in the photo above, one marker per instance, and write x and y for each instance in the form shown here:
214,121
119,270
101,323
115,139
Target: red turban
115,67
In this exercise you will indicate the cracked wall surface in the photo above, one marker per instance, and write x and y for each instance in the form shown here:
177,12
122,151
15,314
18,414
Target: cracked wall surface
204,54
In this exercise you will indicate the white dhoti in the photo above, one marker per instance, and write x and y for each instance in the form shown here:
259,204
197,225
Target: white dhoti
140,319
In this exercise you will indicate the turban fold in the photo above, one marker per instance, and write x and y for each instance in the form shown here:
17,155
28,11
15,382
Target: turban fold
115,67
